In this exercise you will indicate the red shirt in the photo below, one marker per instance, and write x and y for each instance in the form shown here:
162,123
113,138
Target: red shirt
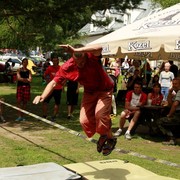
51,72
156,99
142,99
92,76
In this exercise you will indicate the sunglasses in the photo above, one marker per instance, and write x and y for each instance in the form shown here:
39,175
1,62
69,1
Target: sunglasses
78,55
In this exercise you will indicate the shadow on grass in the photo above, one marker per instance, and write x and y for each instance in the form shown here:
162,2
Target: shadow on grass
39,146
142,132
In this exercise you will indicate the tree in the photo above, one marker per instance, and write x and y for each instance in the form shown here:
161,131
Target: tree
30,23
166,3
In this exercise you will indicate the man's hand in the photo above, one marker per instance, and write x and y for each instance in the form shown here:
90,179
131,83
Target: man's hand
38,99
67,47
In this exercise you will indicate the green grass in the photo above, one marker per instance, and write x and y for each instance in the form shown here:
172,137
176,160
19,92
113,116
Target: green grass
33,141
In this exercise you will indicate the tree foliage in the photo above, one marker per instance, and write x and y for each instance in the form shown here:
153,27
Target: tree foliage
167,3
29,23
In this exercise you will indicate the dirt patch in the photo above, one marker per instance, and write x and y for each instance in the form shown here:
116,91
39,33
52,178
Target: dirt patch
24,131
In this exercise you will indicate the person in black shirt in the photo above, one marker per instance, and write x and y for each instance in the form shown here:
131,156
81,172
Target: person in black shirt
173,68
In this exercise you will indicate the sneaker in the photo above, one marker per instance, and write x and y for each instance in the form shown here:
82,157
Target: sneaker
23,119
109,146
19,118
68,117
2,119
171,142
53,118
127,136
118,133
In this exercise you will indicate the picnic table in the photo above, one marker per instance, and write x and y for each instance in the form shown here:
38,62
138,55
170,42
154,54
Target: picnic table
150,114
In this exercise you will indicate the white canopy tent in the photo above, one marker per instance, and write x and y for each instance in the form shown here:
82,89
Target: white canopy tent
154,37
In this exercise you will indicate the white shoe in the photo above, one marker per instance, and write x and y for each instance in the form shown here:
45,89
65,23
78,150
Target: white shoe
127,136
118,133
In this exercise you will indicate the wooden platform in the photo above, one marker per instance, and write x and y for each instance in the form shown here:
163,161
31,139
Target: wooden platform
114,170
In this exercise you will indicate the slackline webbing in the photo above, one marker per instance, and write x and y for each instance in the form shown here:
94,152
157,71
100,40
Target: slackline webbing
49,122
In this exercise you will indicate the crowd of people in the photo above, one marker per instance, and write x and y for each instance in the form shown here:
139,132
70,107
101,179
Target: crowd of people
99,78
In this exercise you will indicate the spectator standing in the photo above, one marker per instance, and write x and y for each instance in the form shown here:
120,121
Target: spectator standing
1,111
125,66
135,65
132,80
56,93
72,96
147,71
105,62
85,67
114,74
24,78
10,72
7,65
173,117
165,80
114,107
134,98
115,68
173,68
161,68
44,67
154,80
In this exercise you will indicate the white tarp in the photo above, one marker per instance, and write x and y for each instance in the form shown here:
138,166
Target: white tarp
43,171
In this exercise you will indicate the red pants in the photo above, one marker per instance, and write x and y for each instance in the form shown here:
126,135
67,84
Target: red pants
95,113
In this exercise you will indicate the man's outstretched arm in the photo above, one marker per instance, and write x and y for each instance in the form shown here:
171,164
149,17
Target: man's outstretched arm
50,86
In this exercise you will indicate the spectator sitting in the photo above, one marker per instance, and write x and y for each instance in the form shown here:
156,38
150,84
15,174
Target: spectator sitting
134,99
155,97
174,113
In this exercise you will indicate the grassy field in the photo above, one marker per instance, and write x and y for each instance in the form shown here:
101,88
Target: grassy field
33,141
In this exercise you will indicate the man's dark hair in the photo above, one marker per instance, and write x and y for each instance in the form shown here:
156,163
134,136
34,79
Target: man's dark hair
54,55
78,45
24,59
171,62
138,82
